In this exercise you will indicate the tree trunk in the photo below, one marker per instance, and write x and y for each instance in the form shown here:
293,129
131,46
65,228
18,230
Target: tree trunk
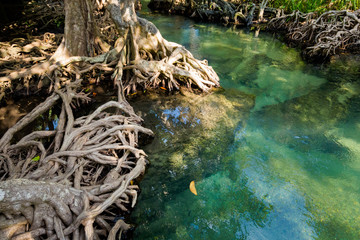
54,197
123,13
79,32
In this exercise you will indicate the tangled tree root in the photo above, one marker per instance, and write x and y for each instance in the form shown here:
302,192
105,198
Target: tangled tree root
226,12
20,55
75,183
37,16
141,57
331,33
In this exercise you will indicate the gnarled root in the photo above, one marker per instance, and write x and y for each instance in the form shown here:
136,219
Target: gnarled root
141,57
330,33
67,187
154,61
74,181
226,12
188,69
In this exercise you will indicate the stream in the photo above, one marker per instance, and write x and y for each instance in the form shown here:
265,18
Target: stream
275,154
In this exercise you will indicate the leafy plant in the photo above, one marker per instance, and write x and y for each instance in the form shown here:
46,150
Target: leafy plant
315,5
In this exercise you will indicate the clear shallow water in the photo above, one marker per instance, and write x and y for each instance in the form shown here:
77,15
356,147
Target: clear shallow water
276,155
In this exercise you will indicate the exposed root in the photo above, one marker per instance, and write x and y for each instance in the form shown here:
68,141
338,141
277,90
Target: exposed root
20,55
153,61
140,48
150,60
74,181
37,16
330,33
220,11
180,66
62,187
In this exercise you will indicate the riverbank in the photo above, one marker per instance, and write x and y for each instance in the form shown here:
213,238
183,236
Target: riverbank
262,202
318,36
77,176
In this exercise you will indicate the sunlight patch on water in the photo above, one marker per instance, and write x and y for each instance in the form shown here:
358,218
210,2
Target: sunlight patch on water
287,169
324,181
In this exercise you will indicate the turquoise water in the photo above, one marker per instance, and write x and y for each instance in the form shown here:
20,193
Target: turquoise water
275,155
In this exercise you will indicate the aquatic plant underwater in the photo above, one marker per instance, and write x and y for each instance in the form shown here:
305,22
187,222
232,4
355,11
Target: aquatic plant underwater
284,166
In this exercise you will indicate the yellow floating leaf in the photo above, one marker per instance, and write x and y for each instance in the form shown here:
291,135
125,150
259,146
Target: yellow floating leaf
192,187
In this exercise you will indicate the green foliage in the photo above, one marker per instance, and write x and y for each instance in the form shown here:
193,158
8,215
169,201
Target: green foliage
35,159
59,22
315,5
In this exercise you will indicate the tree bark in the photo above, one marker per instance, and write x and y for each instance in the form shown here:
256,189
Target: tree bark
79,32
123,13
